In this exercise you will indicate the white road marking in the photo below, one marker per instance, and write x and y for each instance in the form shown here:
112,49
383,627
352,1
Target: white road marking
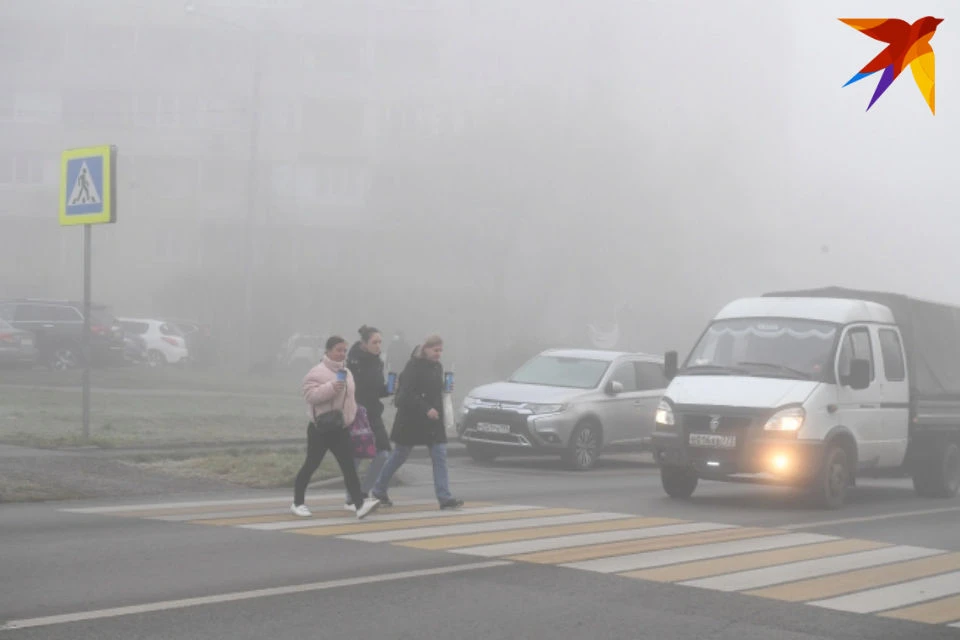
895,596
650,559
481,527
243,595
883,516
277,511
307,523
757,578
321,497
584,539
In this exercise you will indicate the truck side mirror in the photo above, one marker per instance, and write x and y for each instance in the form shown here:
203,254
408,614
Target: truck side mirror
670,365
859,377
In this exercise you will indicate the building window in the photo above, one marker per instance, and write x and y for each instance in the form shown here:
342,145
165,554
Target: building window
165,178
38,107
158,110
102,43
224,113
339,123
97,108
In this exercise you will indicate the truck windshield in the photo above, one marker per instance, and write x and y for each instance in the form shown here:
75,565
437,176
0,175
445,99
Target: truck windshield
557,371
765,347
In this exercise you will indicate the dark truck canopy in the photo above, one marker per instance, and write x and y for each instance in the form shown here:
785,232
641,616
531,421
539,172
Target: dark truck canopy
931,336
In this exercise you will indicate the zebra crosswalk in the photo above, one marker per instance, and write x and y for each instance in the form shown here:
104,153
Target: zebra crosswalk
904,582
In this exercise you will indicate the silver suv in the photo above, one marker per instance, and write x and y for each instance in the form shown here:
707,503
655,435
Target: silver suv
572,402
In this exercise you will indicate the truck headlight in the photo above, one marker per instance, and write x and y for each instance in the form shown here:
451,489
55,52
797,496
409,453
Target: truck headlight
787,420
541,409
664,416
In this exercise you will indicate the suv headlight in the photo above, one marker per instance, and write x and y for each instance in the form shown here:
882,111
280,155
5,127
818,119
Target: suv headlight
786,420
540,409
664,416
470,403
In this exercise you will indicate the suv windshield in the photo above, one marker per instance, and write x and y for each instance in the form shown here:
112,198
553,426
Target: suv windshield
557,371
772,347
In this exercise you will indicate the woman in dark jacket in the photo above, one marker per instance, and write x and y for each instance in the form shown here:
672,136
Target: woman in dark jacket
367,368
419,421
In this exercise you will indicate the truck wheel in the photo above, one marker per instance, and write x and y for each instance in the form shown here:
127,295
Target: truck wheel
480,453
938,476
584,447
829,489
678,482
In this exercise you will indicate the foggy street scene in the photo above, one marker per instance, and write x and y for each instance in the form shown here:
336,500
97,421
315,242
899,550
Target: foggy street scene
474,319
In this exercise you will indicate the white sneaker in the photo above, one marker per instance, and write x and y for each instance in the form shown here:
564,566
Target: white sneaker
300,511
349,507
369,506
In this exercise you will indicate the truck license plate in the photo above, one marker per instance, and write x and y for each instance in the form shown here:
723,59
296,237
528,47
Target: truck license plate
493,428
713,441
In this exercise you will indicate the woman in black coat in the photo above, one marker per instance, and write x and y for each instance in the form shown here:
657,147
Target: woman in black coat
419,421
366,366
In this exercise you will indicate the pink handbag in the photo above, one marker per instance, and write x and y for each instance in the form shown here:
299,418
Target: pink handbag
361,436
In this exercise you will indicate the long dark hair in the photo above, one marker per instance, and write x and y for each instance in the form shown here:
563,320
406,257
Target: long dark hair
366,332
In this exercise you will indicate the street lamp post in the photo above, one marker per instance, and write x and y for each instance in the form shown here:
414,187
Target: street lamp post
249,245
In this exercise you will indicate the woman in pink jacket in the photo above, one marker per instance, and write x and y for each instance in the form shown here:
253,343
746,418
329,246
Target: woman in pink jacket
331,407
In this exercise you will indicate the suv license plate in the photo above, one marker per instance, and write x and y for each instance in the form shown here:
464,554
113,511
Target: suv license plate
493,428
713,441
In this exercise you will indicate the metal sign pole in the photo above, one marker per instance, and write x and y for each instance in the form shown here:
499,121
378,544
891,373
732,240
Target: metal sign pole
88,196
87,354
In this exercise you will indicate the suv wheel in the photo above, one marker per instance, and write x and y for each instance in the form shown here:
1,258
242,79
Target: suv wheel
584,447
480,453
64,358
155,358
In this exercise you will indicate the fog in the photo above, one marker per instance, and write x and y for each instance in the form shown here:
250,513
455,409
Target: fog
506,174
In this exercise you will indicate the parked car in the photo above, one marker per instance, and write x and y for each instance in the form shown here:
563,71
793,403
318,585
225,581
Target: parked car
17,347
575,403
200,341
165,343
135,349
301,352
57,326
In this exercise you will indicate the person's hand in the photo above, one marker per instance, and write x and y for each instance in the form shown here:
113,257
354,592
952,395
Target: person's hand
433,414
339,386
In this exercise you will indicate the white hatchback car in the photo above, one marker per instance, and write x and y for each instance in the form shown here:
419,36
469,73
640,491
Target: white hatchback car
165,343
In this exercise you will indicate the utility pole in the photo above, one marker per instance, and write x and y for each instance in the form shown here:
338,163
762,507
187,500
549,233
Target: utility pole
253,176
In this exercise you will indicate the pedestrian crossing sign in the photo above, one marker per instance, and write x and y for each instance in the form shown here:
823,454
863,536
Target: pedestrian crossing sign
88,186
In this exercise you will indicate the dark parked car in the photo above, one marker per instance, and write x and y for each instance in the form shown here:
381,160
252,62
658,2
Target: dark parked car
17,347
201,342
57,326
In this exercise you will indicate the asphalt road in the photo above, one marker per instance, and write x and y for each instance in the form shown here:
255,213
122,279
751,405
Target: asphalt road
234,567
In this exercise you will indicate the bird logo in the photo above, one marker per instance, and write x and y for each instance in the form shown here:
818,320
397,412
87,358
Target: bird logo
907,44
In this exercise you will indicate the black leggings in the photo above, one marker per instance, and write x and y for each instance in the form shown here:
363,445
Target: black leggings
338,442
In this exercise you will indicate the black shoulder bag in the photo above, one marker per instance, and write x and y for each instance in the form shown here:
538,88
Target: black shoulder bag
331,420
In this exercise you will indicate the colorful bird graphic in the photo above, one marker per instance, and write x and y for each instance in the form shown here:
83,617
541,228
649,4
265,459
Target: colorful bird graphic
907,44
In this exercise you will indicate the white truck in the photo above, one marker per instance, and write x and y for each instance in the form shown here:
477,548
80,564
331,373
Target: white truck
812,388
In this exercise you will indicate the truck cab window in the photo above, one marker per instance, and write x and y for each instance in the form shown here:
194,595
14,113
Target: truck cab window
856,346
892,353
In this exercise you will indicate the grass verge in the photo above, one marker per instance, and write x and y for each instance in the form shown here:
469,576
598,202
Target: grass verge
53,418
257,469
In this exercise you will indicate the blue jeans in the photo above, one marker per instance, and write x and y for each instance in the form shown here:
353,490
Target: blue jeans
373,471
441,481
